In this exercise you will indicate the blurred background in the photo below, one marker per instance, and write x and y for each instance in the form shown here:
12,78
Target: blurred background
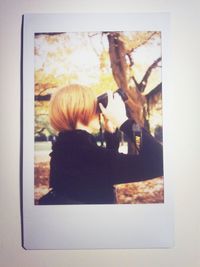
103,61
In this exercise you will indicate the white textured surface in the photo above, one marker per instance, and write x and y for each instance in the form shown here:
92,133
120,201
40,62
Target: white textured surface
182,129
93,226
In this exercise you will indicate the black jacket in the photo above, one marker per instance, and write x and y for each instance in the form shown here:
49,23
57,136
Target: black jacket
81,172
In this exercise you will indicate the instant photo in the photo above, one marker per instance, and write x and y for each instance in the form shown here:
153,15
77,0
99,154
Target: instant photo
94,174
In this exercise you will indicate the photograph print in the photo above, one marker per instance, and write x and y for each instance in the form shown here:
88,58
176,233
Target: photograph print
98,118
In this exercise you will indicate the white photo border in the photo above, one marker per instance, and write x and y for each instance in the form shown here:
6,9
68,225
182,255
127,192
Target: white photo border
90,226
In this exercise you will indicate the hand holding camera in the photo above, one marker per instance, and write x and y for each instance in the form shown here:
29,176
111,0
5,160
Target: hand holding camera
115,111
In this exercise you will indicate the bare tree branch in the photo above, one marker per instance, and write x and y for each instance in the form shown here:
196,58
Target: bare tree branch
130,59
153,92
135,81
40,130
91,35
143,83
45,87
144,42
43,91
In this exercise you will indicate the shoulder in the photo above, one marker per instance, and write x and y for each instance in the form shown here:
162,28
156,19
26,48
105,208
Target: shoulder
73,143
73,137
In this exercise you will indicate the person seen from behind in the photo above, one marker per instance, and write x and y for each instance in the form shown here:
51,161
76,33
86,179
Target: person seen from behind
81,172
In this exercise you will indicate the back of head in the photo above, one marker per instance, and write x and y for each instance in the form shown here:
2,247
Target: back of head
70,105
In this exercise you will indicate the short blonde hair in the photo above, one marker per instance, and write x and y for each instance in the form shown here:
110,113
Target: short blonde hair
72,104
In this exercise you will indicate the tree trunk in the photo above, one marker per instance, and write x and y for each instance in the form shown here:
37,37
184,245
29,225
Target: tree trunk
120,70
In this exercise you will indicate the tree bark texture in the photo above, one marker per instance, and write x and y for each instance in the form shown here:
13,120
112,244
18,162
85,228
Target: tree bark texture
120,70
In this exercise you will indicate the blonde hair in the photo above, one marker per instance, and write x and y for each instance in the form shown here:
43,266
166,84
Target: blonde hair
72,104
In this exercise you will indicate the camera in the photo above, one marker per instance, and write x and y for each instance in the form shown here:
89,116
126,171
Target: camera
103,99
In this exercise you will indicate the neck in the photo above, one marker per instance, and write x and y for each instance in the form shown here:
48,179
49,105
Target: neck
92,127
83,127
